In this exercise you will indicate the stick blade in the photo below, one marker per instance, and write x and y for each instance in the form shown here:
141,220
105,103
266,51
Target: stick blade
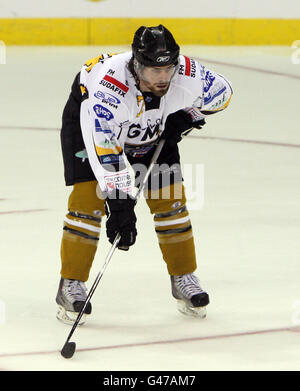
68,349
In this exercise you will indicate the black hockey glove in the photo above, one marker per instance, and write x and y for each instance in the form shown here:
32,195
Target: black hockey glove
119,208
176,124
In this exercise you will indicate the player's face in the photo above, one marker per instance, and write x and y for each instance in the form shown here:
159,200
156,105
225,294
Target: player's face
156,79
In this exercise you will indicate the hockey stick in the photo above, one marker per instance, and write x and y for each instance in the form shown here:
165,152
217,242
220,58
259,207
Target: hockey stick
68,349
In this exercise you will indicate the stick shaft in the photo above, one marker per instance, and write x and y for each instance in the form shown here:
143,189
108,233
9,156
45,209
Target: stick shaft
153,161
94,286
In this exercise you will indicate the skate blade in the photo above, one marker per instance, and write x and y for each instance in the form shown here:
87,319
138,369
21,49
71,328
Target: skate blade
69,317
197,312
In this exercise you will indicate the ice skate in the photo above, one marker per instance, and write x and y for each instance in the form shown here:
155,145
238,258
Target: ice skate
70,298
191,298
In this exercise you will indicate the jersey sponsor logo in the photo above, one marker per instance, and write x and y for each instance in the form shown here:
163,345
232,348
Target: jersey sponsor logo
103,129
109,144
208,81
195,114
107,97
112,87
202,71
103,151
110,72
114,84
193,68
118,182
110,159
106,102
138,150
149,132
103,112
209,98
220,103
189,68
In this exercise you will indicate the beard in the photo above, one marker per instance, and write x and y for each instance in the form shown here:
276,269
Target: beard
157,89
160,91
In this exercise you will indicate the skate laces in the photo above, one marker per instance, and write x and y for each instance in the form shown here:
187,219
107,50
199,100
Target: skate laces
74,290
188,285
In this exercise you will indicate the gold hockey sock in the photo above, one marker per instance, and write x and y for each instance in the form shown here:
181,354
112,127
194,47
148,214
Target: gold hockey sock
81,231
173,229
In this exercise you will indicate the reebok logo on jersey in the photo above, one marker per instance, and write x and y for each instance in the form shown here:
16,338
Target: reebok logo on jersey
114,84
103,112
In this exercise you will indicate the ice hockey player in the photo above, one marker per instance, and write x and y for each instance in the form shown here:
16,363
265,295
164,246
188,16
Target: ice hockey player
119,107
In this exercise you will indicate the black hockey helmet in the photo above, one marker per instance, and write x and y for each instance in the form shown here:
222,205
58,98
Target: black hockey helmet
155,46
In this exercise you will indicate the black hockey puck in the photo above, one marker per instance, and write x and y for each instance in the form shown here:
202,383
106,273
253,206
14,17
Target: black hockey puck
68,349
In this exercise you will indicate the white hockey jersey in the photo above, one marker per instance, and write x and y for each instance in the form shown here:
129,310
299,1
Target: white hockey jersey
117,120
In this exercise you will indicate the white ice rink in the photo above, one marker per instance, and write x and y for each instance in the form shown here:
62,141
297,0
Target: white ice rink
247,232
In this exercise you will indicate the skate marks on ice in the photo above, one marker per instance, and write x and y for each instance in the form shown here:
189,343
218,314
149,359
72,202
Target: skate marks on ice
6,212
